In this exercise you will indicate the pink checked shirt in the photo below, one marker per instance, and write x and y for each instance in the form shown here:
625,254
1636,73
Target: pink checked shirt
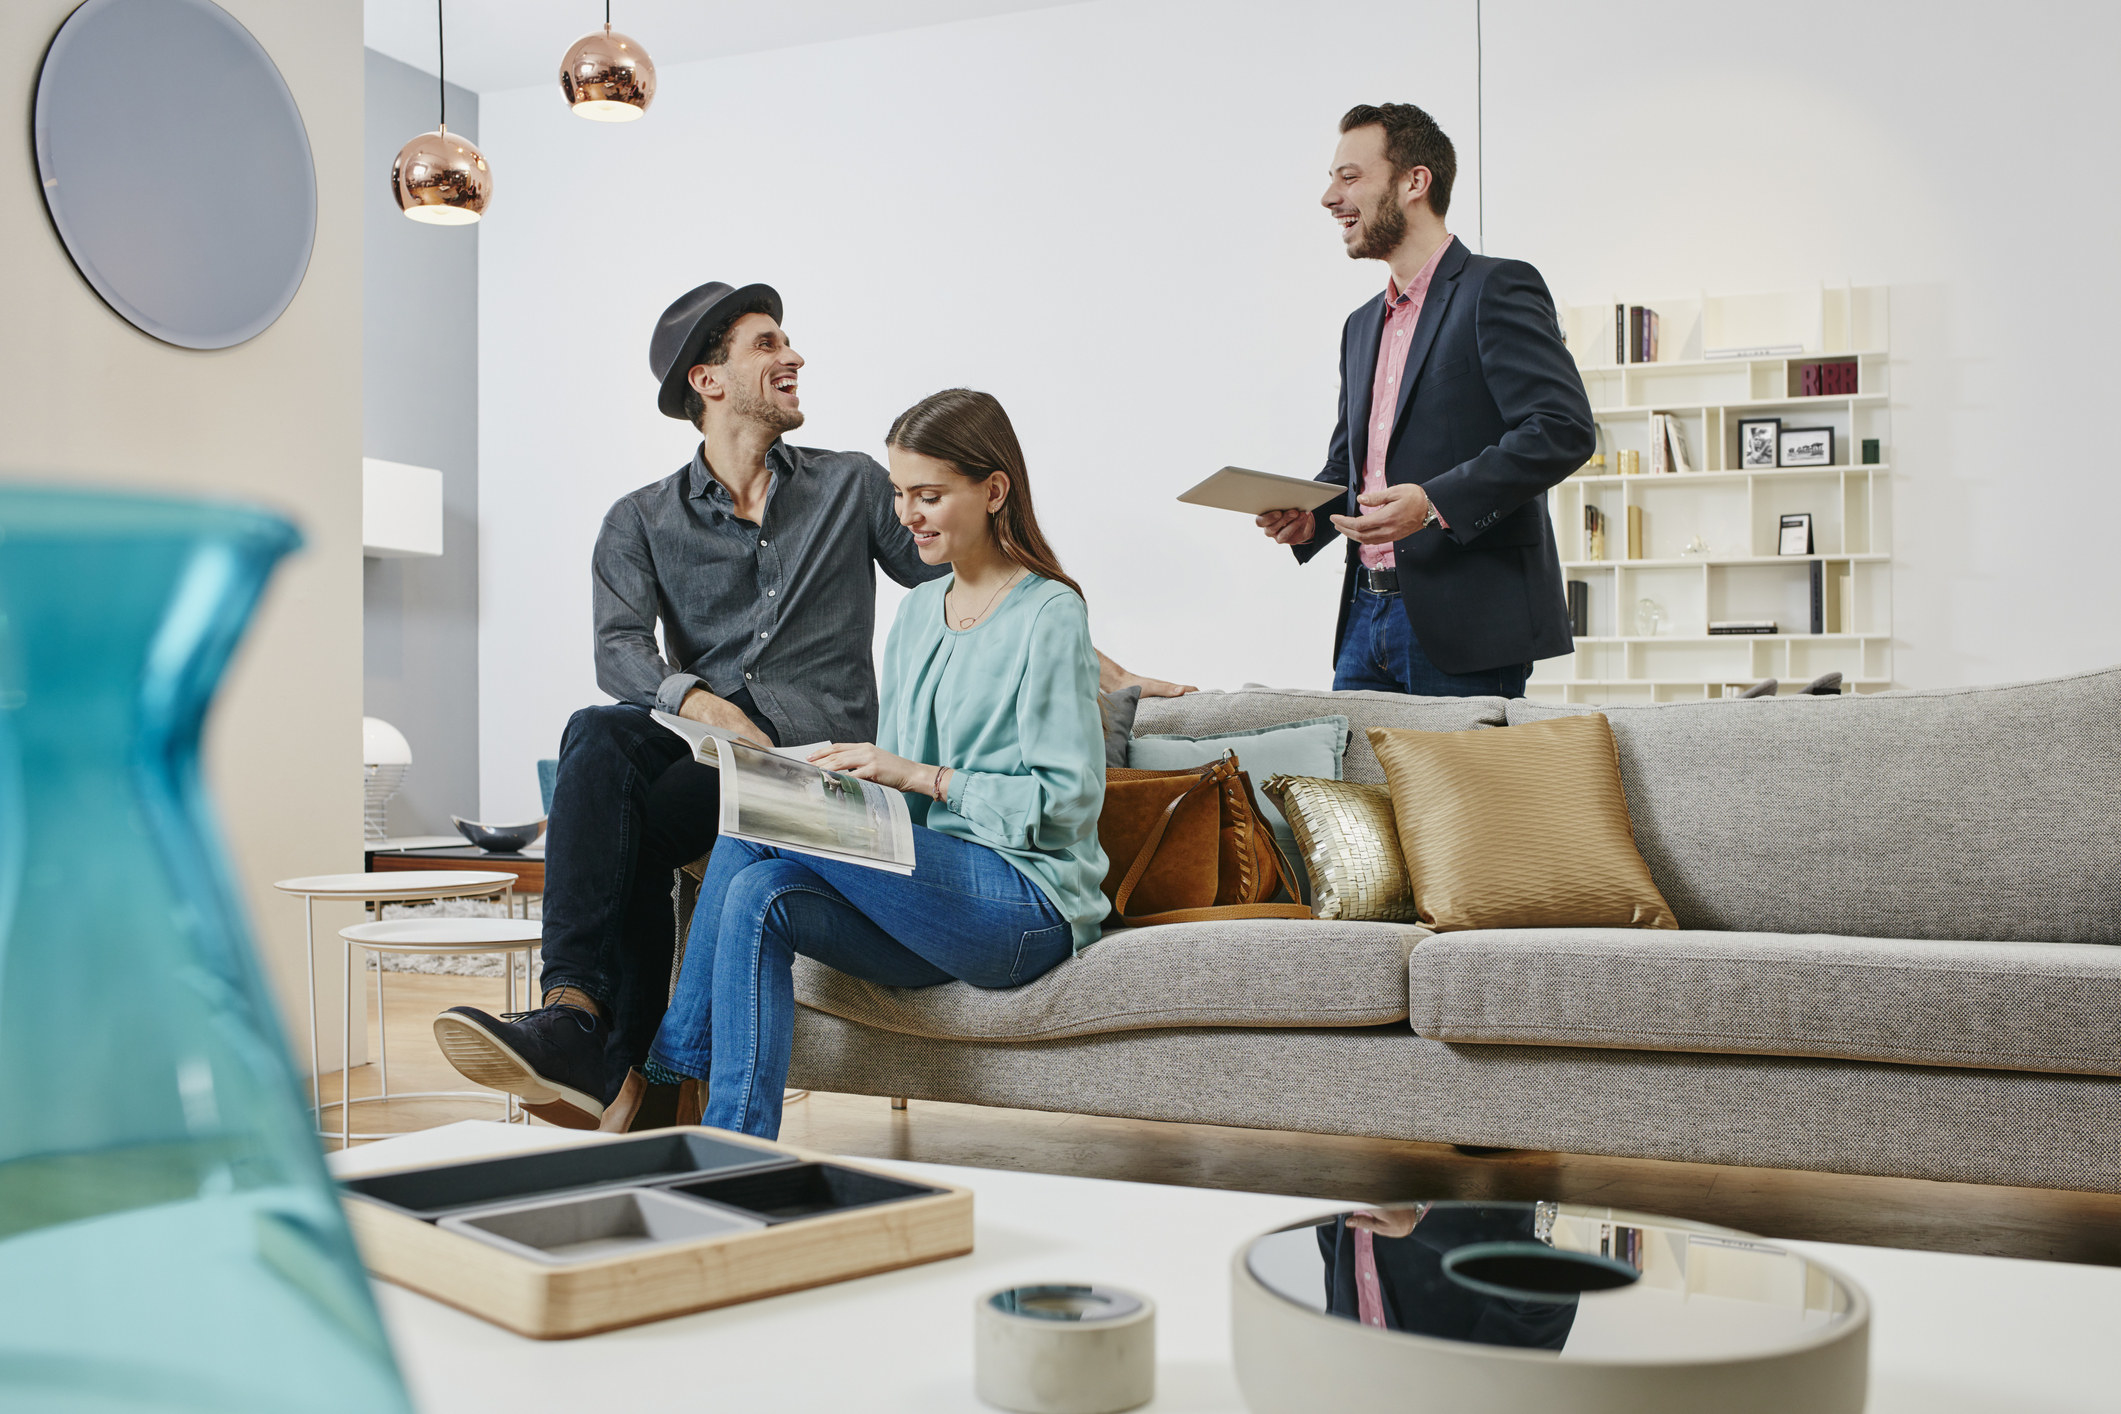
1402,309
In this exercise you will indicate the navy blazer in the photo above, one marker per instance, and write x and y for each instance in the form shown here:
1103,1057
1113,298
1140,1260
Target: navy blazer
1491,414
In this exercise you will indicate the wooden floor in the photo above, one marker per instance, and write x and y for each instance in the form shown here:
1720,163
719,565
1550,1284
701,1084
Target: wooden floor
1949,1217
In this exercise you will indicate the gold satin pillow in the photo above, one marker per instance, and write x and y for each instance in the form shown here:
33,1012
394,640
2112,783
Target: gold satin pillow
1347,840
1518,827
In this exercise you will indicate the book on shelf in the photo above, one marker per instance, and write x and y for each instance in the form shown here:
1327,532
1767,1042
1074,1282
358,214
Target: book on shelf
1593,533
1675,434
1579,608
1660,455
1634,334
1754,351
1839,593
1634,532
1818,578
774,796
1724,626
1835,379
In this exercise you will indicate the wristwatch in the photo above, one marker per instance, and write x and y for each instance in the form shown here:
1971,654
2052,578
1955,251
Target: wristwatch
1428,520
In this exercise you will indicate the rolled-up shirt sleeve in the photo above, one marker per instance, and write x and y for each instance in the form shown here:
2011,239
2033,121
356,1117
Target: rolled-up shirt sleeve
1061,736
624,598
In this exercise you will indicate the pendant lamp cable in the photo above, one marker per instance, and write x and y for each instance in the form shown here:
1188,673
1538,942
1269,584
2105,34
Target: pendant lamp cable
607,14
1480,129
442,69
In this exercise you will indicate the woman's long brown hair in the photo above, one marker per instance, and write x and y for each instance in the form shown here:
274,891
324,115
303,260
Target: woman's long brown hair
970,431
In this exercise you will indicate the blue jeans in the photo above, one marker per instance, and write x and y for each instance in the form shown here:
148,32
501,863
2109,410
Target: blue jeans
1379,653
965,914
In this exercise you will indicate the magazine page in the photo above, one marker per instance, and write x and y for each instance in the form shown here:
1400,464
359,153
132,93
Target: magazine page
770,798
701,738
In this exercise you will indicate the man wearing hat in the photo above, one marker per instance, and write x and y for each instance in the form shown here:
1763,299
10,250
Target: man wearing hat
759,560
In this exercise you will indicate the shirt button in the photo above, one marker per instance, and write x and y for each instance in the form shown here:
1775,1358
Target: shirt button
769,594
747,677
762,544
762,635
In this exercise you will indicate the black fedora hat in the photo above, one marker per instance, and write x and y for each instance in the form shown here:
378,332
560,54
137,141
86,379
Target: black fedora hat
682,333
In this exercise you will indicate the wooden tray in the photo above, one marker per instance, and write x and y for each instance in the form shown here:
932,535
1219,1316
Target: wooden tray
797,1219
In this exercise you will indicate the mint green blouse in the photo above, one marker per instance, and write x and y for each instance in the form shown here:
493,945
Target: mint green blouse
1010,705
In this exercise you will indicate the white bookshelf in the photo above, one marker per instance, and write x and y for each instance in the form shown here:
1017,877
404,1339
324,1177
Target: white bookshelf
1737,512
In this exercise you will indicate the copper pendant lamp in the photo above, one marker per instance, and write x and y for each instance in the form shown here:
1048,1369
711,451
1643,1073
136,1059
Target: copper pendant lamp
438,177
608,77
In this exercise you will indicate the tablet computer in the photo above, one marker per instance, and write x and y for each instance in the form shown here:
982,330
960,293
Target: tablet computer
1237,488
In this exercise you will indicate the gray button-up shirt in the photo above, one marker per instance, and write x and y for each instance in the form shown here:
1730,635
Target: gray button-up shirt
784,609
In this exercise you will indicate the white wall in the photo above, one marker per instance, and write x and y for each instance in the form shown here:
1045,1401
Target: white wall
1961,160
1106,215
90,400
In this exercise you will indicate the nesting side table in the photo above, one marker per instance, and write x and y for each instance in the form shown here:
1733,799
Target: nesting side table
430,937
375,890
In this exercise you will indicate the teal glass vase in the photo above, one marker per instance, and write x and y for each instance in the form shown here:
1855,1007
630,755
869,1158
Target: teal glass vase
169,1238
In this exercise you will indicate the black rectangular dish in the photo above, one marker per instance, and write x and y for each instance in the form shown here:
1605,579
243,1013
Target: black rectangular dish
804,1190
651,1160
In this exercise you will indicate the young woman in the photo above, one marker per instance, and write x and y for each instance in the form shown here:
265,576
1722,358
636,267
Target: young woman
989,723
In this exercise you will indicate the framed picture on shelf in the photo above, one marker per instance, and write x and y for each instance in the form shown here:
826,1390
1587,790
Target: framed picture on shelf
1757,441
1805,446
1796,534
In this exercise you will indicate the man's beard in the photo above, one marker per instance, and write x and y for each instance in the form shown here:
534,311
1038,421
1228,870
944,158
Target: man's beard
1382,231
753,407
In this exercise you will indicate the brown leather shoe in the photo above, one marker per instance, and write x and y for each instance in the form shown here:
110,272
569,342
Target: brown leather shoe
641,1105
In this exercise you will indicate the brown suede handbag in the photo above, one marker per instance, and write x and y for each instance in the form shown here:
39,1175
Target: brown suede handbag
1190,847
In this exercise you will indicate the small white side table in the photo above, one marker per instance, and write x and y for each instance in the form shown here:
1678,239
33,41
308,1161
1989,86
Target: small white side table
375,890
428,937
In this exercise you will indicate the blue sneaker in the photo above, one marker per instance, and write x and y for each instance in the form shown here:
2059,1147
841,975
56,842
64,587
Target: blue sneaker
551,1059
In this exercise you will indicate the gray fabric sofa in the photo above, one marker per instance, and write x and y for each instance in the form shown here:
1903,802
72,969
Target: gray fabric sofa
1900,953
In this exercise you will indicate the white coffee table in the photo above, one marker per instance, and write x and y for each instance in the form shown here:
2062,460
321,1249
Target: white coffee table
1952,1335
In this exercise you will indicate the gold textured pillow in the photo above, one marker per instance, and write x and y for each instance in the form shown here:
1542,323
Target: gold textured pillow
1518,827
1345,834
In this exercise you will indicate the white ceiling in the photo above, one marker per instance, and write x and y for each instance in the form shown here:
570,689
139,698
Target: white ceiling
502,44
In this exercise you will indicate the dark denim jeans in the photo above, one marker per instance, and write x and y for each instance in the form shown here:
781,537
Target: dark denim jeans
630,806
964,914
1381,654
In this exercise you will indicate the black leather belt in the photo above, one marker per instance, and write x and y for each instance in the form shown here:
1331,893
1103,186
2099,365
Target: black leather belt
1379,581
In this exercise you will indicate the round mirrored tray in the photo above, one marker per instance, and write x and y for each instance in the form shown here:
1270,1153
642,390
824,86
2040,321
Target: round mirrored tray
1477,1307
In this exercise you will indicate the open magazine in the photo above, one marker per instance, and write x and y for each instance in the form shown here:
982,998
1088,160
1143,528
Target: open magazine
776,797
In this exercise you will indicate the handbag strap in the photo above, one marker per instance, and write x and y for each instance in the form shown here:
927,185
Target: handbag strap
1210,775
1217,914
1284,871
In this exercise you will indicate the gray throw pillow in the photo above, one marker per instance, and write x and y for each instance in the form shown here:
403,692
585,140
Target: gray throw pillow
1118,709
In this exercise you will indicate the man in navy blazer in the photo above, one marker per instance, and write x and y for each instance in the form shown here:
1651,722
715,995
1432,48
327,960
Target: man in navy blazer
1459,407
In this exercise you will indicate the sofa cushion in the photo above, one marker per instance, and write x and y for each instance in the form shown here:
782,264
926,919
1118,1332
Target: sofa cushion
1960,813
1526,827
1992,1006
1248,972
1203,713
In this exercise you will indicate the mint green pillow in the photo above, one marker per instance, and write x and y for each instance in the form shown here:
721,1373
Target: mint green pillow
1313,747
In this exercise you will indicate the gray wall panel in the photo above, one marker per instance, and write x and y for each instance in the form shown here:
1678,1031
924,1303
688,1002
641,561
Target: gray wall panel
419,404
